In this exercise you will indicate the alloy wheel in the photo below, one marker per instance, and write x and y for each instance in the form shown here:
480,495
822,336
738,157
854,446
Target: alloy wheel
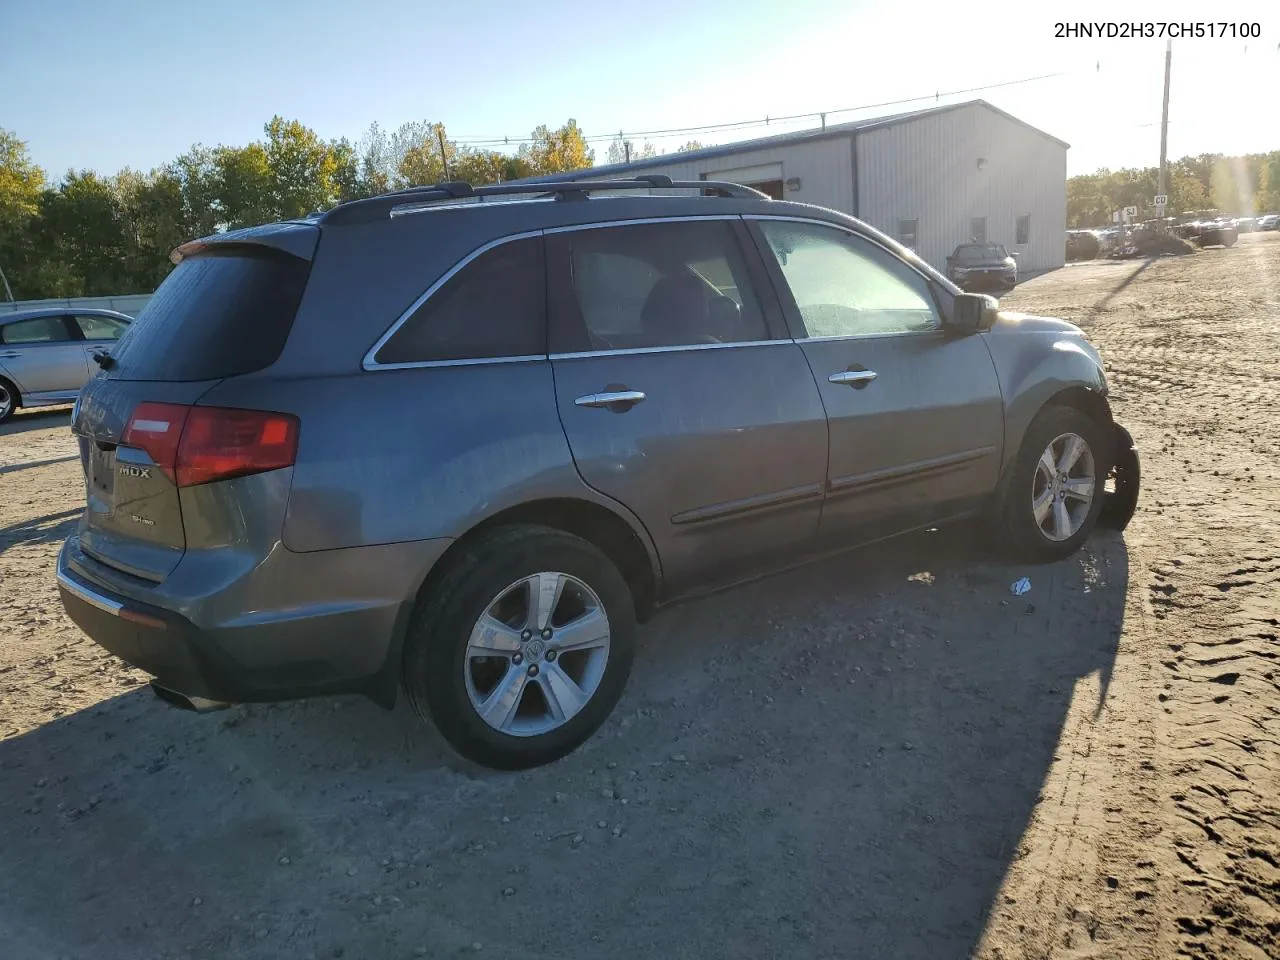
1064,486
537,654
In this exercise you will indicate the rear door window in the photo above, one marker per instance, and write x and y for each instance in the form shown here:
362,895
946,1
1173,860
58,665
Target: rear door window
492,308
655,285
36,330
101,328
221,313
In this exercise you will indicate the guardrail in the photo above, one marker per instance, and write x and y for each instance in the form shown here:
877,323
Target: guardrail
128,304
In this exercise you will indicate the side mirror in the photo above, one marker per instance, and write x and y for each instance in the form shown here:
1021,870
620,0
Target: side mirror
972,312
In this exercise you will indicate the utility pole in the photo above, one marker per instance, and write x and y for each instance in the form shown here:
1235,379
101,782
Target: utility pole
444,158
626,145
1164,128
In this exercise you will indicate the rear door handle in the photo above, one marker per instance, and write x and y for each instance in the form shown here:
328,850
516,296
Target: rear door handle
10,355
853,378
628,397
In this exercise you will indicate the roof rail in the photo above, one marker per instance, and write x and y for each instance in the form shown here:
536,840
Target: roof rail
375,208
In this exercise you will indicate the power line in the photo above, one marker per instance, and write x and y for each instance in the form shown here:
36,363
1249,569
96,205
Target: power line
766,121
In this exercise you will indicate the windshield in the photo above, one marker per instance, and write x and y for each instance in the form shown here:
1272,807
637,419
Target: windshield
974,252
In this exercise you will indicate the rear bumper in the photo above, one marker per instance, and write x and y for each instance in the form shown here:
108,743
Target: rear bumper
327,645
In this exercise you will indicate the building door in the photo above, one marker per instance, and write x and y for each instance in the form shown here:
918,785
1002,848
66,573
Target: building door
978,230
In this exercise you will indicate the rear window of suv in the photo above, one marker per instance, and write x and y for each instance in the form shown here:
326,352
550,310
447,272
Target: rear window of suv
221,313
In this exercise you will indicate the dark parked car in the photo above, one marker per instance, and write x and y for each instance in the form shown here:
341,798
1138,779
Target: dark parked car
1082,245
463,447
1208,233
982,266
46,355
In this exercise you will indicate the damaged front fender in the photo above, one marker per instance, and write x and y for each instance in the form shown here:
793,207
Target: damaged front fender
1120,498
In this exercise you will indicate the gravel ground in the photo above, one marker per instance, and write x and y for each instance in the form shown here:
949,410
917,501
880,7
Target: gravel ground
881,756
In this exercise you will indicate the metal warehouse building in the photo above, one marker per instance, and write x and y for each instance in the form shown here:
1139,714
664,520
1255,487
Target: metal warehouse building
931,178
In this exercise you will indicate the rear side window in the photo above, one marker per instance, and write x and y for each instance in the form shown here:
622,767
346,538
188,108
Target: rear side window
37,330
101,328
222,313
493,307
642,286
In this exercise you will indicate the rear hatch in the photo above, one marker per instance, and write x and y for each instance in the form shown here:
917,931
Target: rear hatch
226,310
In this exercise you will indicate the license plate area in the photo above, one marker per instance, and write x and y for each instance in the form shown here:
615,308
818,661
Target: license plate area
102,477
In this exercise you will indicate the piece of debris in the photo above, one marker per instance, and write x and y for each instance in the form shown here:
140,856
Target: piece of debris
1019,587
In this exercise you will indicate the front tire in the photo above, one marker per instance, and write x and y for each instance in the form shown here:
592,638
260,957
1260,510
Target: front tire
523,648
8,399
1053,493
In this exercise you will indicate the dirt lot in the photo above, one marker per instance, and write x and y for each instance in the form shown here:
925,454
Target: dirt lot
884,756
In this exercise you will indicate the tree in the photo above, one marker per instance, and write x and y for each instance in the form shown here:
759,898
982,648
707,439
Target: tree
689,147
626,151
21,186
302,168
1269,183
557,151
246,186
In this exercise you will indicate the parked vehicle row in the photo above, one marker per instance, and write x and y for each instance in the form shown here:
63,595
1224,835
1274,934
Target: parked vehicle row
1206,233
591,406
46,355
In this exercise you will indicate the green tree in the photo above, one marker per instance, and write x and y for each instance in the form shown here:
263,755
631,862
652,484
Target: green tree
150,207
302,168
21,186
247,186
690,146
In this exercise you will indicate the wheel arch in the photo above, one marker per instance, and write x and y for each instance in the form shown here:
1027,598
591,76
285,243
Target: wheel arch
606,529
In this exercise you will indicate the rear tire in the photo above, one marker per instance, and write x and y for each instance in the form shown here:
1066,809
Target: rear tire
1041,514
446,681
8,399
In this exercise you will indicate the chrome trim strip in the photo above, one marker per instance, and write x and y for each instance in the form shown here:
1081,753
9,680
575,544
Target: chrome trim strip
911,471
763,501
937,332
575,227
88,595
420,364
628,351
369,363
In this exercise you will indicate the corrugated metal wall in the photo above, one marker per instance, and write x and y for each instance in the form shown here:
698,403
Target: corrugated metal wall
824,168
927,170
130,304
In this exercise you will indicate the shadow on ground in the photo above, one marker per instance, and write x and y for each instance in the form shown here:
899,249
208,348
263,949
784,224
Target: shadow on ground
838,762
50,528
38,418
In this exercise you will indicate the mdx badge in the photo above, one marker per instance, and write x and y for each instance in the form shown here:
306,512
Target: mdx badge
139,472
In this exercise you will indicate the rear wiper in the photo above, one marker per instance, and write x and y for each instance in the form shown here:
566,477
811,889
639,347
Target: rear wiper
103,359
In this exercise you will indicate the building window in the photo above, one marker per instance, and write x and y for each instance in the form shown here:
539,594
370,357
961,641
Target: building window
978,230
907,233
1024,229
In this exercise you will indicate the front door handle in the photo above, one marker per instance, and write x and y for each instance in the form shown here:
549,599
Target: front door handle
10,355
615,398
853,378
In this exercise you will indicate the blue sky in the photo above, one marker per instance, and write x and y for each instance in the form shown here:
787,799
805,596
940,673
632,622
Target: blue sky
136,82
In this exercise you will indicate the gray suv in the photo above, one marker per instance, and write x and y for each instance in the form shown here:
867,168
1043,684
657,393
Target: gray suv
463,440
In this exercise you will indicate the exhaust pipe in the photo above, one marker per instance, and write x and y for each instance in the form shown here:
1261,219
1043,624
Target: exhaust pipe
184,702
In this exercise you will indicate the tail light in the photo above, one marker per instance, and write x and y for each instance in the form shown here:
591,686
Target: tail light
194,445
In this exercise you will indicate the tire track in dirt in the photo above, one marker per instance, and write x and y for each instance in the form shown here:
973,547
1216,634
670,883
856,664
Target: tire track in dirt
1195,847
